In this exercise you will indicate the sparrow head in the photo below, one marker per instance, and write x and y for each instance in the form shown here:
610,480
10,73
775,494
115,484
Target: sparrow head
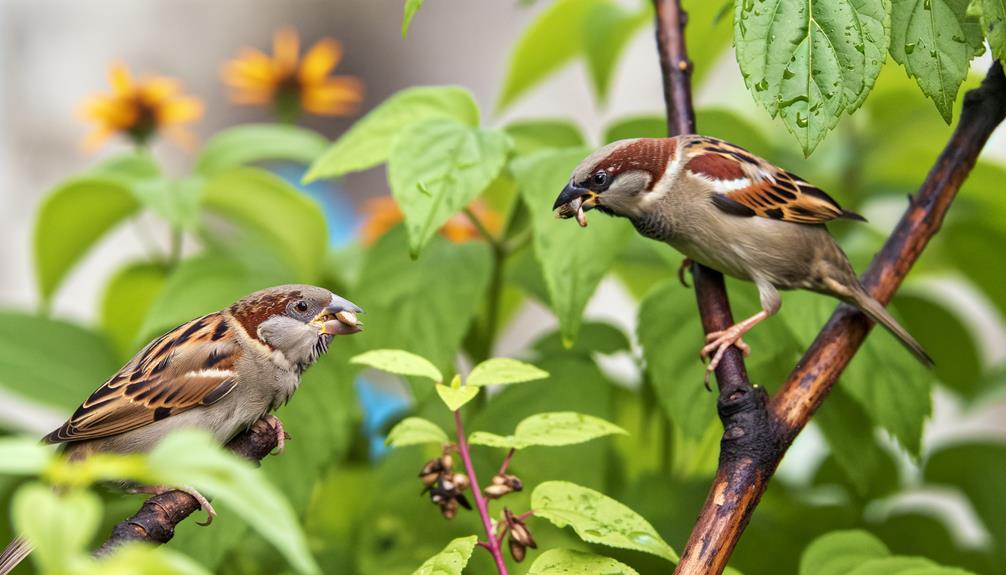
297,320
615,178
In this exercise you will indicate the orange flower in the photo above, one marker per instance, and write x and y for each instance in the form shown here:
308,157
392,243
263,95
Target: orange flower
383,214
289,83
139,110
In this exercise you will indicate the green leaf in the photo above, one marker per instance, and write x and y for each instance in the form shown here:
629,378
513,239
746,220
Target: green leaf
839,552
399,362
571,269
904,566
436,168
176,201
191,457
410,9
140,559
84,361
369,141
450,561
23,456
503,371
947,338
132,166
128,297
597,518
810,61
70,221
670,333
290,220
551,429
993,20
635,127
415,431
551,41
849,432
595,337
58,525
935,41
572,562
607,29
455,396
710,32
250,143
532,135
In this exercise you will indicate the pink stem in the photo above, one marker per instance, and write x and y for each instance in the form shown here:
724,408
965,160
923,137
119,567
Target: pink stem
506,461
480,502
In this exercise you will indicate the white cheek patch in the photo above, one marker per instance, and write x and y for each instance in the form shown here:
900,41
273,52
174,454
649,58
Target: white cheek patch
665,183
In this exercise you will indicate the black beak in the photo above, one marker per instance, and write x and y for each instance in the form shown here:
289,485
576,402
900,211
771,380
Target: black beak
569,193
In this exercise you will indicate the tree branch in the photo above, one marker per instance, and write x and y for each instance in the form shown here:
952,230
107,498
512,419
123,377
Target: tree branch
156,520
744,473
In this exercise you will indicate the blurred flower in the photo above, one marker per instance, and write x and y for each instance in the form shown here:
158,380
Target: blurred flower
140,110
289,83
382,214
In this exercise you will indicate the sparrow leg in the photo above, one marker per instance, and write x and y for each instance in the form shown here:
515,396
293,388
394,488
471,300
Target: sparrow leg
281,434
200,499
686,264
719,341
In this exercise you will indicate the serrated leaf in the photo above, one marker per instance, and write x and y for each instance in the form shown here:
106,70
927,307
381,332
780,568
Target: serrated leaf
550,429
71,219
573,562
810,61
607,29
23,456
532,135
59,526
250,143
408,12
415,431
839,552
597,518
572,260
369,141
456,397
503,371
436,168
452,560
935,41
993,20
399,362
551,41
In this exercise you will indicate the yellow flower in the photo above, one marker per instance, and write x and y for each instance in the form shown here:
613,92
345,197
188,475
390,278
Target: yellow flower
383,213
140,110
289,83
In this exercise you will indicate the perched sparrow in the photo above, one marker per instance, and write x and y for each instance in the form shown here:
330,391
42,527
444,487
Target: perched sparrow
221,372
729,210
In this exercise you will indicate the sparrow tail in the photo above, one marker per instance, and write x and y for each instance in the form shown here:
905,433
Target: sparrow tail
877,313
15,553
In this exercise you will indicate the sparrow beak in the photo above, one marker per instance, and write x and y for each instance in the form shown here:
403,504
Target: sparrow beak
573,202
339,318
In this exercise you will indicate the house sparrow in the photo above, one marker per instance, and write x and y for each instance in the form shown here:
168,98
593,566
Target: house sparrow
729,210
221,372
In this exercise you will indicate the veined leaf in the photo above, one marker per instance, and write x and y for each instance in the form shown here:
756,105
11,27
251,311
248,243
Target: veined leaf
503,371
572,260
550,429
572,562
994,24
415,431
597,518
250,143
399,362
452,560
436,168
839,552
369,141
810,61
935,41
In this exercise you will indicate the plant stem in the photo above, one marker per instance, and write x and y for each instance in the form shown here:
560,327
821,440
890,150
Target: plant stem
480,501
506,461
175,255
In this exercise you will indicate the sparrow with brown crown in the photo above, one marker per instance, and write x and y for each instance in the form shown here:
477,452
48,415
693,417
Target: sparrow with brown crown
729,210
221,372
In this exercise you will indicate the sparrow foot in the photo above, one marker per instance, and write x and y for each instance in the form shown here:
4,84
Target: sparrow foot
204,503
717,343
281,435
686,264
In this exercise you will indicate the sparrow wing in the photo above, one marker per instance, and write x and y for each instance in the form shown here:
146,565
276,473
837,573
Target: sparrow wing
191,365
747,185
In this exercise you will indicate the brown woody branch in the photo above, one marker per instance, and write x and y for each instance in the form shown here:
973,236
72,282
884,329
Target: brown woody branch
156,520
759,430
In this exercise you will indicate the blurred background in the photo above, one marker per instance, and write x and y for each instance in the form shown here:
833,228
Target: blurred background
54,54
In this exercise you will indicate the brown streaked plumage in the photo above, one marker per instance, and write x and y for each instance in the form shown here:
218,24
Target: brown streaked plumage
730,210
220,372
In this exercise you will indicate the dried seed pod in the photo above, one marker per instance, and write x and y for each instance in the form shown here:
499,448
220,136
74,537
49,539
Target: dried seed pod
432,467
522,534
496,491
513,482
447,461
449,508
498,479
461,481
517,551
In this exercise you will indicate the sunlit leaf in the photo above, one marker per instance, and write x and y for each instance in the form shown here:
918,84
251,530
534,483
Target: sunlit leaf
400,362
450,561
550,429
369,141
23,456
904,566
59,525
415,431
250,143
455,395
533,135
839,552
436,168
572,562
140,559
608,27
503,371
408,12
597,518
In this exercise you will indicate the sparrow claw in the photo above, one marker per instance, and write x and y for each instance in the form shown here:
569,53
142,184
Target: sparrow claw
203,502
682,269
281,434
717,343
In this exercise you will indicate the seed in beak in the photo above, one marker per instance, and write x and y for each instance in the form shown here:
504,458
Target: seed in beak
581,218
347,318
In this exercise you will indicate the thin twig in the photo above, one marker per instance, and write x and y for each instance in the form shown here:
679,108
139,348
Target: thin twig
506,461
480,501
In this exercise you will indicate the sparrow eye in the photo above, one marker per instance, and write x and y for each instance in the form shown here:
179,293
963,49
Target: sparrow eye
600,179
300,306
